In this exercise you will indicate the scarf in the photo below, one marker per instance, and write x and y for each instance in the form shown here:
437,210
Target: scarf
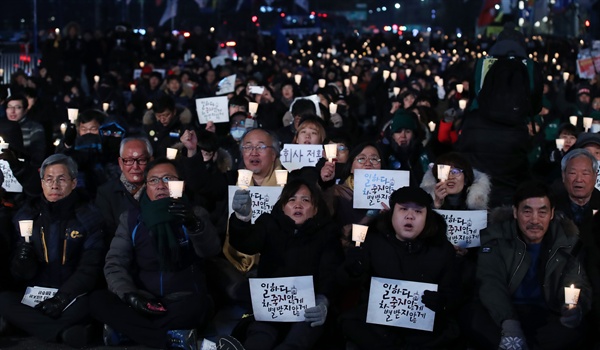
155,215
132,188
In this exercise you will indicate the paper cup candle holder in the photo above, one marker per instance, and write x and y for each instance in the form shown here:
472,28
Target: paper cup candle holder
359,233
26,228
560,144
171,153
72,114
281,176
443,171
331,151
244,178
572,296
175,189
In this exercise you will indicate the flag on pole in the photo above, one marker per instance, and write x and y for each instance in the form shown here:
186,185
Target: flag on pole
170,11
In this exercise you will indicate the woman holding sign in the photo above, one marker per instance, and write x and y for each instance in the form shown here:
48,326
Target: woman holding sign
297,238
407,244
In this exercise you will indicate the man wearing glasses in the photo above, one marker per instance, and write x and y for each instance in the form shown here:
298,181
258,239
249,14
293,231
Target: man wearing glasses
116,196
154,270
65,251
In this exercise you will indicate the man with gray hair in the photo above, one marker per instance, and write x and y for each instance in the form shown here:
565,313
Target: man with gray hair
119,195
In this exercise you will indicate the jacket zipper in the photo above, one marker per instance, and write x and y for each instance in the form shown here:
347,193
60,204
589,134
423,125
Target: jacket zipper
44,244
518,265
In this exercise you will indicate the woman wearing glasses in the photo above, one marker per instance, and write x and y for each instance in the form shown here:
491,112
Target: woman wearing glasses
340,198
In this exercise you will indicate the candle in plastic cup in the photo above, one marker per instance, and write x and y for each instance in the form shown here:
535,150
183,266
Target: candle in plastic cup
571,295
594,211
573,120
565,76
105,106
462,104
252,107
587,123
175,189
354,79
408,71
171,153
396,91
149,105
386,74
281,176
359,233
443,171
322,83
431,126
560,143
244,178
331,151
346,68
459,88
26,227
298,79
393,75
132,87
96,78
346,82
332,108
72,114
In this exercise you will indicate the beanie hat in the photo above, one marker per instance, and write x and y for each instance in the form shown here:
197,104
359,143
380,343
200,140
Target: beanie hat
403,120
409,194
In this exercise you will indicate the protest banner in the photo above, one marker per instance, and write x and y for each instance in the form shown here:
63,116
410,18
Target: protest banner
263,199
226,85
281,299
214,109
294,156
398,303
10,184
464,226
372,187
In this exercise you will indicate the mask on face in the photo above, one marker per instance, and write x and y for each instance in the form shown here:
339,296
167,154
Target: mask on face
237,133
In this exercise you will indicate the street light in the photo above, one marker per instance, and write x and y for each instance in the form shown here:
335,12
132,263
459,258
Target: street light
397,6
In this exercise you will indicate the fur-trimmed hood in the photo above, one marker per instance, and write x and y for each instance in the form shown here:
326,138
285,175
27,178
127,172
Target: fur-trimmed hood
182,113
478,194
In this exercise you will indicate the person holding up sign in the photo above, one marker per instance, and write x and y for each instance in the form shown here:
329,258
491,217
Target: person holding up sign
528,255
298,238
406,243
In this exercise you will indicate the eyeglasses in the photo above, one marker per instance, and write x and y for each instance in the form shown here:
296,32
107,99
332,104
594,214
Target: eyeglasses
342,148
139,161
61,181
154,181
259,149
455,171
373,160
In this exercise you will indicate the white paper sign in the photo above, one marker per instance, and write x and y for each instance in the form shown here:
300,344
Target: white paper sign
35,295
263,199
398,303
281,299
10,183
253,89
371,187
294,156
226,85
598,181
214,109
464,226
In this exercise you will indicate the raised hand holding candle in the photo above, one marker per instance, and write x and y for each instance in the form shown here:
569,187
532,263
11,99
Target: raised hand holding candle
331,151
281,176
359,233
572,296
175,189
26,228
244,178
171,153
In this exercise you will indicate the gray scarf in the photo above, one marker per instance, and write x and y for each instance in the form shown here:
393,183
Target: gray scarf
134,189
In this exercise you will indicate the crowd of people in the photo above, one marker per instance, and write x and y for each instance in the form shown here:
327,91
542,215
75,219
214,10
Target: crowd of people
128,261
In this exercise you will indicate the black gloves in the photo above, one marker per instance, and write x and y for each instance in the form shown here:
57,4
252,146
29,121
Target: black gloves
434,301
354,263
70,135
24,263
144,305
184,212
53,307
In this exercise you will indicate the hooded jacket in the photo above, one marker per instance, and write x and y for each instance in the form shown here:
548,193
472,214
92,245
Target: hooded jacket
503,263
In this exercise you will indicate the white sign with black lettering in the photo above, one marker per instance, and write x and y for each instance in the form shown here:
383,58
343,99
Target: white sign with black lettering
281,299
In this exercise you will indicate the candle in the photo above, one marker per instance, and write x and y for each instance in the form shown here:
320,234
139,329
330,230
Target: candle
359,233
443,171
459,88
332,108
298,79
63,128
573,120
149,105
571,296
431,126
386,74
105,106
408,71
462,104
587,123
96,78
171,153
281,176
346,68
396,90
132,87
322,83
142,64
72,114
393,75
26,228
347,83
560,143
565,76
252,107
175,189
244,178
354,79
331,151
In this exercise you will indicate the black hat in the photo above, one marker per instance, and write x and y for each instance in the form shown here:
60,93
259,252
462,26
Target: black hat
411,195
